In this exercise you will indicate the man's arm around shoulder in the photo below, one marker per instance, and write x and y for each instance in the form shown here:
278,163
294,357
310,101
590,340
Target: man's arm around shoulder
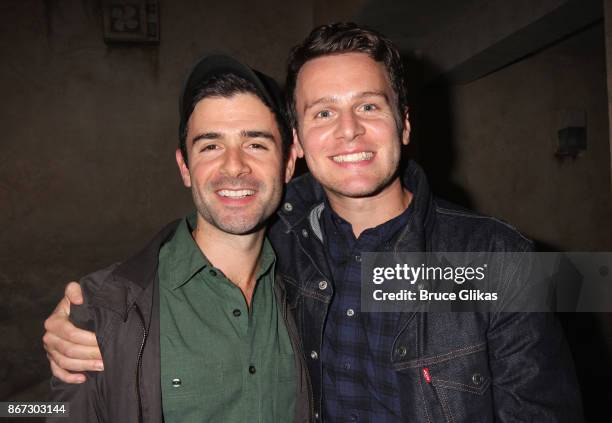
84,398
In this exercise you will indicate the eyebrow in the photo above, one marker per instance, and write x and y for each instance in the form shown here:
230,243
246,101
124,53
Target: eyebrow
334,99
206,136
244,134
257,134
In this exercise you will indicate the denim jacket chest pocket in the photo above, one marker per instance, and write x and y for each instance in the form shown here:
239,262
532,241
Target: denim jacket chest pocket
308,299
454,385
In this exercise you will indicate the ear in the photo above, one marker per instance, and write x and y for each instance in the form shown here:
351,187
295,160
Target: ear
297,144
406,131
180,161
291,159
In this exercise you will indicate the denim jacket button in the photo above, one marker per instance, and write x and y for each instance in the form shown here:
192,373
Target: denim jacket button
323,285
288,207
401,351
477,379
304,233
314,355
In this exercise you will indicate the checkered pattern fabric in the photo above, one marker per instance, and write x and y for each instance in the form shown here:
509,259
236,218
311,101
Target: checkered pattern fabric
359,384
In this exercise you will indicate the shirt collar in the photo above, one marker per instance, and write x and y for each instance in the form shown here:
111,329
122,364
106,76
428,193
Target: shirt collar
185,259
385,232
267,259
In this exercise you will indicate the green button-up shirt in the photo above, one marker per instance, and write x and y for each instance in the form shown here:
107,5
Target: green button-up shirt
220,361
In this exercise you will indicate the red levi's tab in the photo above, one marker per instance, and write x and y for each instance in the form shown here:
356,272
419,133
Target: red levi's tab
426,375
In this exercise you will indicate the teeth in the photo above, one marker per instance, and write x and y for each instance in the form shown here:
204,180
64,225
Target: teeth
236,194
355,157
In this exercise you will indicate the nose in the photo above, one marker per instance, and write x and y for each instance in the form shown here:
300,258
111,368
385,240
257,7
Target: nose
349,126
235,163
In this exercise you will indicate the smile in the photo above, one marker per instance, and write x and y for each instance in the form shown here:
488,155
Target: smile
241,193
354,157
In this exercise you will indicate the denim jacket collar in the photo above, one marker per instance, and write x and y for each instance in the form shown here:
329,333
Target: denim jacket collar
304,203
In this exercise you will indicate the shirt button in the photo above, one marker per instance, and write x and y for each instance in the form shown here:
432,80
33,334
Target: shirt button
350,312
212,272
314,355
304,233
323,285
236,313
252,370
401,351
358,259
288,207
176,382
317,416
477,379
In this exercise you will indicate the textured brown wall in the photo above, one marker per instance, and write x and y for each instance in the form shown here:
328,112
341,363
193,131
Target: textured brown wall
505,127
88,139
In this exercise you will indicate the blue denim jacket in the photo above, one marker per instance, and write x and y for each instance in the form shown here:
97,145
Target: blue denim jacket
452,367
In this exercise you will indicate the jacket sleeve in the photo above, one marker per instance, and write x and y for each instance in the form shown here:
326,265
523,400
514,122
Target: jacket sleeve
82,400
532,368
85,399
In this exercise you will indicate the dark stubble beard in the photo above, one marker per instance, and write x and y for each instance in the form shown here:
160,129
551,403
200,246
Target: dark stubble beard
241,225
